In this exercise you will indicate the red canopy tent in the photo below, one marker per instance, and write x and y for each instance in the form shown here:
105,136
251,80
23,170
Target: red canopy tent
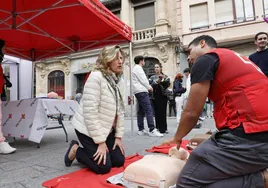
35,30
41,29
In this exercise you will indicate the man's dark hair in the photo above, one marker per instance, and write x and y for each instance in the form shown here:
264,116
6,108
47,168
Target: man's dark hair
211,42
187,70
260,33
2,43
138,58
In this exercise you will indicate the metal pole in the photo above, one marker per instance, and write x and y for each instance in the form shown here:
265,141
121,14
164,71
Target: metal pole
18,80
131,92
33,76
14,15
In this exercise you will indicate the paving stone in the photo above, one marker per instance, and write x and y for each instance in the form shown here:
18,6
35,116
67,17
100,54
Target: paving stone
19,175
8,166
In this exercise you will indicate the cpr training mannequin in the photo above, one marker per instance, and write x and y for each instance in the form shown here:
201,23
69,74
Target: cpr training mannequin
156,170
159,170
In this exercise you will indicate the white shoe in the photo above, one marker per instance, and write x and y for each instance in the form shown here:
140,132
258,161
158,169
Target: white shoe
155,133
5,148
143,132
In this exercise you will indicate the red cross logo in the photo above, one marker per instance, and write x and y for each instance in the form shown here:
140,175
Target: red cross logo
22,116
10,116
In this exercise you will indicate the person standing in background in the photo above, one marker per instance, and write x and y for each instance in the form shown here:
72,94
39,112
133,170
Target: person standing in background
78,95
260,57
160,82
5,148
178,92
187,74
171,102
141,89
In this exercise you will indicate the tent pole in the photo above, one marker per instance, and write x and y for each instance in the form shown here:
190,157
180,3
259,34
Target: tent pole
131,92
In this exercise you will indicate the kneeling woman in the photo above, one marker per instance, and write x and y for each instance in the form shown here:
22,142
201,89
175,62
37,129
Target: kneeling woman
99,119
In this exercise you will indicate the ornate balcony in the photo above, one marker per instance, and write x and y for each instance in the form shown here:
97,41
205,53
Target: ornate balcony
144,35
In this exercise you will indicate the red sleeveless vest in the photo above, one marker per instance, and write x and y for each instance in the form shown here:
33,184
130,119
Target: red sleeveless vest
240,93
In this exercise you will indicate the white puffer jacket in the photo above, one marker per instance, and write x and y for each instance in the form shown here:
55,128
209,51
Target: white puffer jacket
97,109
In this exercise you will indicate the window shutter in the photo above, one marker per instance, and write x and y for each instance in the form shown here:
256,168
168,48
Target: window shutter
199,15
265,5
224,11
249,12
144,16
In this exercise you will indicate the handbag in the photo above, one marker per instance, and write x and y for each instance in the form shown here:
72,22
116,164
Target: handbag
165,92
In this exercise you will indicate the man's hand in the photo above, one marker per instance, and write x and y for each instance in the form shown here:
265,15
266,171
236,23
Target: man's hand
173,141
151,89
118,142
101,153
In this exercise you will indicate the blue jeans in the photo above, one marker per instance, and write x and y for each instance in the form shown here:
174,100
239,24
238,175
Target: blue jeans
145,108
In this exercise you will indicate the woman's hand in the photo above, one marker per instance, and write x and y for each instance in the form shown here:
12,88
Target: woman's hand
101,153
118,142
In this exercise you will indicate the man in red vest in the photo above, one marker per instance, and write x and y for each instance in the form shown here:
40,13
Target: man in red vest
236,155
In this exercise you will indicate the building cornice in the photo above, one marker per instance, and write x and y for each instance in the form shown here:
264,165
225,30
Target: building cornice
164,38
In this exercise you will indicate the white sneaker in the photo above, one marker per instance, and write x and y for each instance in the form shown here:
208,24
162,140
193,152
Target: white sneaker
5,148
155,133
143,132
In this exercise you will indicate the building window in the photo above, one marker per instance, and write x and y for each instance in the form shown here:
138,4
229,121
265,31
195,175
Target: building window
224,12
265,7
117,13
244,10
56,83
144,16
199,16
233,11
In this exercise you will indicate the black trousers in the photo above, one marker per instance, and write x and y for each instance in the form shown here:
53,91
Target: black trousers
84,155
172,106
160,109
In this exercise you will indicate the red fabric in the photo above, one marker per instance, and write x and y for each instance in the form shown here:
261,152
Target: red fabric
85,25
240,91
86,77
164,149
2,81
85,178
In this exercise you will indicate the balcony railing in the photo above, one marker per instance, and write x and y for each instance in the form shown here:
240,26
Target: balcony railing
145,34
236,21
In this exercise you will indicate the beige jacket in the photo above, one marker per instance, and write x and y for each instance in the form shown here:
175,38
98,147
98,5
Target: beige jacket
97,109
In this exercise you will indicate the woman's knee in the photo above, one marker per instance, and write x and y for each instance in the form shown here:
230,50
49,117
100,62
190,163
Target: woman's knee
118,161
102,169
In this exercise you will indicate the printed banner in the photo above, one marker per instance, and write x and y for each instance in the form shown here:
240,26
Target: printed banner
27,118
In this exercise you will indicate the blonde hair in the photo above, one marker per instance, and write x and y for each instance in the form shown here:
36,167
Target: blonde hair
106,56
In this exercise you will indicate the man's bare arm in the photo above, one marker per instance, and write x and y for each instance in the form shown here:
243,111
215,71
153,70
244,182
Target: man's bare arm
193,108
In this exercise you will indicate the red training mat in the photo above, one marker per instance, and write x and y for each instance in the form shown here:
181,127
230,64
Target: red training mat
85,178
165,148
